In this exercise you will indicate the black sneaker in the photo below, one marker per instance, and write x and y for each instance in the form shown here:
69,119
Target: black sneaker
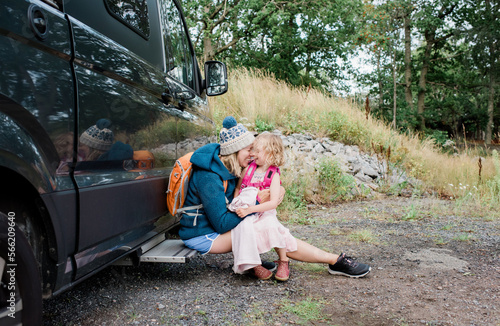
346,266
269,265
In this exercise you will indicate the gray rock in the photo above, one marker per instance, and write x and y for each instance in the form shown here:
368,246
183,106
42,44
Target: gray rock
362,177
369,171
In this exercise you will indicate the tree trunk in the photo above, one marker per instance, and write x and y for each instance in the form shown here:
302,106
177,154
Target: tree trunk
491,84
208,49
394,93
380,93
491,107
422,83
408,93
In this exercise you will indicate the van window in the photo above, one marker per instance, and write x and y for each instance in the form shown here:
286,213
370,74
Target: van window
133,13
178,53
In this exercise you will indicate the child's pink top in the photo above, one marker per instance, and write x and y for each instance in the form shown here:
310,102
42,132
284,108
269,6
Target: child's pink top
264,184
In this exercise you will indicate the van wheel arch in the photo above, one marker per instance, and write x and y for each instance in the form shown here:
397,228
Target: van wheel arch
25,202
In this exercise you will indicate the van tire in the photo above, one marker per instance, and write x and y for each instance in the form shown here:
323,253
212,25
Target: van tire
27,287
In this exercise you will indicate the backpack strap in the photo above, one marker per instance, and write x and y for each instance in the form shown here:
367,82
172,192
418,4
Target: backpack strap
248,176
184,210
268,177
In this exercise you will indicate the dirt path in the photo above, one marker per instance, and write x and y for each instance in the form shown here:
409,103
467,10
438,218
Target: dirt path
430,267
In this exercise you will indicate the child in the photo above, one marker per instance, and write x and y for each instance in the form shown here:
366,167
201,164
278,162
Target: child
264,173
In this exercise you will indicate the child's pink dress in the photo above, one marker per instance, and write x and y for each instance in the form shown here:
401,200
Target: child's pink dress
260,232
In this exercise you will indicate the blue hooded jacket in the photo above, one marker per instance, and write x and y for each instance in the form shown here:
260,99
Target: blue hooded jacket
206,187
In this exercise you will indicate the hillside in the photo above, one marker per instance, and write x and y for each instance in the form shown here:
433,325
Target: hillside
263,103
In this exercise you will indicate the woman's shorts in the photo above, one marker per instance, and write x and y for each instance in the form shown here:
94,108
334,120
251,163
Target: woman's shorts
203,243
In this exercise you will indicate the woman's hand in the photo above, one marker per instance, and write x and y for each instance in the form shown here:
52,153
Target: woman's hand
265,195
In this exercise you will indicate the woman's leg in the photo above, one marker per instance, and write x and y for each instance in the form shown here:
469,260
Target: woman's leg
222,244
310,254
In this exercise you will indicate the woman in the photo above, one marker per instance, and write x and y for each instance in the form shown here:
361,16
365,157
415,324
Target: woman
208,229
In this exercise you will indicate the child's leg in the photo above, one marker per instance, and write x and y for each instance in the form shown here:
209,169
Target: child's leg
283,271
281,254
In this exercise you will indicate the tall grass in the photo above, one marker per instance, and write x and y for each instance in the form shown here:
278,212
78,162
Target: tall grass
255,97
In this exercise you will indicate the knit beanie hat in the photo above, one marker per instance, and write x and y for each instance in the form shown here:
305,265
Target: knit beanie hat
98,136
233,136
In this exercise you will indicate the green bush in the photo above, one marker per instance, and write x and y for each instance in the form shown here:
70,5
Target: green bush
341,128
439,137
335,183
294,202
263,125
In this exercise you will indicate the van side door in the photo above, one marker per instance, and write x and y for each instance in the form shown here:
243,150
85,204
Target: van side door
119,73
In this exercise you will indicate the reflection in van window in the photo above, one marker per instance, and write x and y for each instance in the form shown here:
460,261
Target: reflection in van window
179,57
134,13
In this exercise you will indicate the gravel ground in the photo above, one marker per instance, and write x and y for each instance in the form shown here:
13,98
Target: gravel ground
430,266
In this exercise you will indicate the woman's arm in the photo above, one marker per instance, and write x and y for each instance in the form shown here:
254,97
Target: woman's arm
210,191
271,204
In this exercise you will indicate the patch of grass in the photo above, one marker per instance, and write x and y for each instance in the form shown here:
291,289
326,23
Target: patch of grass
448,227
133,315
363,236
440,241
464,237
377,214
306,219
412,213
257,316
306,310
310,267
335,232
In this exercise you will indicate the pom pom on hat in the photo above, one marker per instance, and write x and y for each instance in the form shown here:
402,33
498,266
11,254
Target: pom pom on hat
233,136
229,122
103,123
98,136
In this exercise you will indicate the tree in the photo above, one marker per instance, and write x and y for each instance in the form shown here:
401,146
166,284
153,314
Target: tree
300,41
432,23
484,35
381,32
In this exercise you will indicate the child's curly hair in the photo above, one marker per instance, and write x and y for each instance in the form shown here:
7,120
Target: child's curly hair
273,146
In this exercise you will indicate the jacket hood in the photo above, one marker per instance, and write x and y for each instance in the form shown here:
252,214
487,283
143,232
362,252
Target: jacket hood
207,158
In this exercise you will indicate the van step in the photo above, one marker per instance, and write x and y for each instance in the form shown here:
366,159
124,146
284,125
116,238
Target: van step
168,251
160,251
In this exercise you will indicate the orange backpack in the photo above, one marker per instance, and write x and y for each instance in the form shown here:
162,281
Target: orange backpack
178,186
143,160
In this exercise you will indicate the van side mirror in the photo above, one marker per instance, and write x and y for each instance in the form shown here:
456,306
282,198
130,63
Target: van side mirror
215,78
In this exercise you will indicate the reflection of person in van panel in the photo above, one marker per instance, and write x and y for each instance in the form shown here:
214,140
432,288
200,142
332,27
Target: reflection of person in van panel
96,140
65,150
64,147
